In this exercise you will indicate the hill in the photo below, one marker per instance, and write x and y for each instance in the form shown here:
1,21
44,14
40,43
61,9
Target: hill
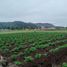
45,25
24,25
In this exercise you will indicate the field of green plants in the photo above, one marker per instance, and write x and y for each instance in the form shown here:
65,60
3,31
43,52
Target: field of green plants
25,47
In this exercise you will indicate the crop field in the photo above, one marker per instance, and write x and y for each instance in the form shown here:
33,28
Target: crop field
34,48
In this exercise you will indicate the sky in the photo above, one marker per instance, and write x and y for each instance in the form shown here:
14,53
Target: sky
35,11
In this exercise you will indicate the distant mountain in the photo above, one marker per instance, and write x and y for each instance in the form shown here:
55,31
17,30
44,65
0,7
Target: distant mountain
24,25
45,25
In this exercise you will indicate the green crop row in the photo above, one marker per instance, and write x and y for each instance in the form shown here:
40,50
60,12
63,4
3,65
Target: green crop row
25,45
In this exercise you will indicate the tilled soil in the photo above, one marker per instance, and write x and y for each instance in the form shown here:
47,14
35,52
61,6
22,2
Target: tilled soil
10,65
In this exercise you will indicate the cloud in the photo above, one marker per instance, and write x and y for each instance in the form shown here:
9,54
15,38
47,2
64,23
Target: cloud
53,11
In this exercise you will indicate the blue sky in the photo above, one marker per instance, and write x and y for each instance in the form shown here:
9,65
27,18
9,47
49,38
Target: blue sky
44,11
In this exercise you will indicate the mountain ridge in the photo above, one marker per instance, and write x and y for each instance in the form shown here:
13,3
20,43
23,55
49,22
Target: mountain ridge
24,25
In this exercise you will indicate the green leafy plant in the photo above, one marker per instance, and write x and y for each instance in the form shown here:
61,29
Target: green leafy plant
38,56
28,59
17,62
